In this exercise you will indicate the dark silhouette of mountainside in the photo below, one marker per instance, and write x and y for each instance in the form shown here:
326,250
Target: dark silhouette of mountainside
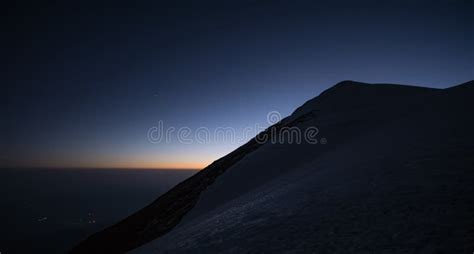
392,172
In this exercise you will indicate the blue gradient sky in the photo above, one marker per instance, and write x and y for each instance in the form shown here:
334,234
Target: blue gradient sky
84,83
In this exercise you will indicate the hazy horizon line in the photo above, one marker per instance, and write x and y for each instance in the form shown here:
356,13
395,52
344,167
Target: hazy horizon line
91,168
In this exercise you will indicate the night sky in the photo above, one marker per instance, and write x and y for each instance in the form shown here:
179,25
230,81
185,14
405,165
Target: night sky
83,83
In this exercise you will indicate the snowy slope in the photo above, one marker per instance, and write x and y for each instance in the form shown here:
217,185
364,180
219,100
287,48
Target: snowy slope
395,177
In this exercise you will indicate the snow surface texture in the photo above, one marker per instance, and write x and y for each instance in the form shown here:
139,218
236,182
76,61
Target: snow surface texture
396,176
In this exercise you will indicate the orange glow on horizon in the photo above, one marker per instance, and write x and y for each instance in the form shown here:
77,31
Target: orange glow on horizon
162,165
119,165
196,161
